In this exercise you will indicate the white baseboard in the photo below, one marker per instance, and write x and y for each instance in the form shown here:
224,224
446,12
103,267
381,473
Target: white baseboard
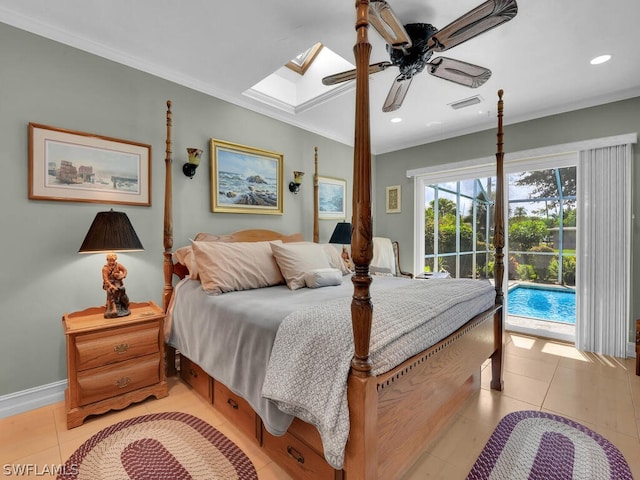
32,398
44,395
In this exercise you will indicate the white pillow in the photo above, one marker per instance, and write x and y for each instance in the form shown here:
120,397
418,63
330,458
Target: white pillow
295,259
323,277
229,266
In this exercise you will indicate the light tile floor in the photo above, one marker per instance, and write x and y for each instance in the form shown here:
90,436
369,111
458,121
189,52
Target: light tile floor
600,392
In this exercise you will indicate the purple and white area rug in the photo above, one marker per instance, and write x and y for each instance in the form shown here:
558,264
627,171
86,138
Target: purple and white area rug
539,446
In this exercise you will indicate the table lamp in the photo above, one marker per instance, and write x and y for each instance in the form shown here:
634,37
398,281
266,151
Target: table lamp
342,234
112,232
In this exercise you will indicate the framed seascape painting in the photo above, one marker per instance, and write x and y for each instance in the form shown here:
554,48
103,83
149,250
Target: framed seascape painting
245,179
331,198
393,199
72,166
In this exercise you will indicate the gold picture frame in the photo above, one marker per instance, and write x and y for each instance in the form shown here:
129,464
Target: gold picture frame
71,166
393,199
245,179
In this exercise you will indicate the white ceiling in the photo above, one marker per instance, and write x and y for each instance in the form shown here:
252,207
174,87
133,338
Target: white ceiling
540,58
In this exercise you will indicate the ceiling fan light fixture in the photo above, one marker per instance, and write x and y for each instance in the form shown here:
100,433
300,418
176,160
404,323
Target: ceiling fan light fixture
600,59
467,102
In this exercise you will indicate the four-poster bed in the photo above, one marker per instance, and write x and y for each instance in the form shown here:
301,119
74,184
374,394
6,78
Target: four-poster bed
399,410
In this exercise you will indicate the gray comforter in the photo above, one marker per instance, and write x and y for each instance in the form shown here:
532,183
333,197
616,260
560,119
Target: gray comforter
310,361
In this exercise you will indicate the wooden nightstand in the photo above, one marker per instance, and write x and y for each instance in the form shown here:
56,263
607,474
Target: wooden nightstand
113,362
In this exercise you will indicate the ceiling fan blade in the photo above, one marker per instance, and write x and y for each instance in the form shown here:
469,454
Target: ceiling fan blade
351,74
397,93
456,71
387,24
479,20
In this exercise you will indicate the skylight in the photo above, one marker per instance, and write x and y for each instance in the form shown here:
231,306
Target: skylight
302,62
297,86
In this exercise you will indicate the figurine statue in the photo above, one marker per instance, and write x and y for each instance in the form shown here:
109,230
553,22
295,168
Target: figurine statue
113,274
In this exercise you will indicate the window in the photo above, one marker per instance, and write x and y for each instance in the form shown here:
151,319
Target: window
456,233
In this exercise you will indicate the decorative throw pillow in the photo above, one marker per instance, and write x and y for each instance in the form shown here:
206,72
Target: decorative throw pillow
323,277
295,259
226,267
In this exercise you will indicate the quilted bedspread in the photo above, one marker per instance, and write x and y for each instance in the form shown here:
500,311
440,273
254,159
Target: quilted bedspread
309,364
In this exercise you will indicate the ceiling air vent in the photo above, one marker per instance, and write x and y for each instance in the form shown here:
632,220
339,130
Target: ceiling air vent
467,102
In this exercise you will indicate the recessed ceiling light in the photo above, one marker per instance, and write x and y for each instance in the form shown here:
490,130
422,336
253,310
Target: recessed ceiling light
396,120
600,59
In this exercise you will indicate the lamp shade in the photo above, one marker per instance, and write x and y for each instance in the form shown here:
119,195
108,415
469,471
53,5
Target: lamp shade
111,232
341,234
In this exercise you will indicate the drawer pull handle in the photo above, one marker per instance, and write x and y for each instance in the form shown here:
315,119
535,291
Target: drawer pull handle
123,382
233,403
193,373
295,454
122,348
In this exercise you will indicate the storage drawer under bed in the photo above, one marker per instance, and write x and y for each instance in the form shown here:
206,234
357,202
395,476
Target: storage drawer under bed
196,378
297,457
236,409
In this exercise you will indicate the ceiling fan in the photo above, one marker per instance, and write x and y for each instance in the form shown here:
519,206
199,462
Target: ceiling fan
411,46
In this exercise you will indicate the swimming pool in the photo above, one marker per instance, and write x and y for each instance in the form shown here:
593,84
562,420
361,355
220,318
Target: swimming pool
532,301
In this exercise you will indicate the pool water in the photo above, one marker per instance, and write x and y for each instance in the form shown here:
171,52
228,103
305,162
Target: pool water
543,304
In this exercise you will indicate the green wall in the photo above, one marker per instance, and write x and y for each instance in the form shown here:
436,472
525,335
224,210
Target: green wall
590,123
42,276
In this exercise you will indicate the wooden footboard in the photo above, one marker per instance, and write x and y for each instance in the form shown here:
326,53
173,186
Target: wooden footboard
434,384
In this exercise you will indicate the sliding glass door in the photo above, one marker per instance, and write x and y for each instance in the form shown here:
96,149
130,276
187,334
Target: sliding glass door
455,226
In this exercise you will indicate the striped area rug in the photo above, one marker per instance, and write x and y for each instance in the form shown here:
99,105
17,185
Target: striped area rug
172,446
540,446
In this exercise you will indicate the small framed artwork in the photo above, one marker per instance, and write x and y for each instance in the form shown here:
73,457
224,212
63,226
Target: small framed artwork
332,198
73,166
393,199
245,179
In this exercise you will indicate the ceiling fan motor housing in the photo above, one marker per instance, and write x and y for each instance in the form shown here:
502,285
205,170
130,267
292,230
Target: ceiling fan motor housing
412,60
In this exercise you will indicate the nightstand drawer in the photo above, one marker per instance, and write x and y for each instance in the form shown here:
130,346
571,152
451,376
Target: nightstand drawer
112,380
110,346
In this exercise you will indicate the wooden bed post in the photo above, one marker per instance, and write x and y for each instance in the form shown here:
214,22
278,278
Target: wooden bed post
498,240
361,238
168,239
316,221
361,459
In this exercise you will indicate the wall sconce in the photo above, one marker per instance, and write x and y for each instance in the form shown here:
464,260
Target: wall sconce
189,169
294,187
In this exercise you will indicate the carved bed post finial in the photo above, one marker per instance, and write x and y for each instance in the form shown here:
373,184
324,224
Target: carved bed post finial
316,221
168,217
361,239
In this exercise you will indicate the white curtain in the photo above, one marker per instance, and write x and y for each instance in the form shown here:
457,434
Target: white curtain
603,276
